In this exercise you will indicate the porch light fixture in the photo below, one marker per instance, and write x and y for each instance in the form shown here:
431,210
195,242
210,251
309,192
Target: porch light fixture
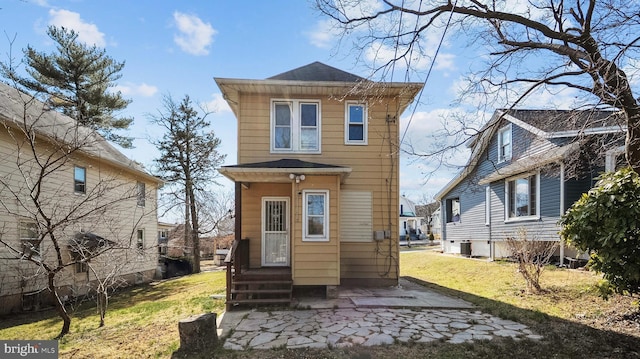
298,178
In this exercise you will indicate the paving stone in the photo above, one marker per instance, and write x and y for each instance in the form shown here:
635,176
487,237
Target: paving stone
300,340
262,338
459,325
379,339
507,333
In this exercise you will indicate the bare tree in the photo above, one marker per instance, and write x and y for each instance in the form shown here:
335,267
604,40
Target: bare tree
585,45
531,255
54,216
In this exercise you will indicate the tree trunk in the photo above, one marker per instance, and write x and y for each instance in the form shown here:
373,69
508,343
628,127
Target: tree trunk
62,311
633,139
194,231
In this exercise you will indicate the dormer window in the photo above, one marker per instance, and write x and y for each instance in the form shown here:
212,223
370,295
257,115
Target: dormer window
295,126
504,144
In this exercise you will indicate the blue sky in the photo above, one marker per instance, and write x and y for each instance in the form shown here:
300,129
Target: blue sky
178,47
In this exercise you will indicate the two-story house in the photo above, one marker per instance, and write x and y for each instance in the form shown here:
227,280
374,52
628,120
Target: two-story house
526,168
317,178
58,176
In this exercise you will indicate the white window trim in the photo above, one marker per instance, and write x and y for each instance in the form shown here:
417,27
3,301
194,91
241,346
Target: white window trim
38,249
315,238
296,126
139,250
141,196
84,180
365,120
506,128
508,219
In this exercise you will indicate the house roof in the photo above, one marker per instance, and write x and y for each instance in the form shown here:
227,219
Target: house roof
60,128
316,80
317,71
543,123
559,123
280,170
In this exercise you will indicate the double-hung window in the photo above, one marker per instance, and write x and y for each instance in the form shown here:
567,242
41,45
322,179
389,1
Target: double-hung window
522,197
141,194
504,144
316,215
355,126
79,179
295,126
30,239
140,241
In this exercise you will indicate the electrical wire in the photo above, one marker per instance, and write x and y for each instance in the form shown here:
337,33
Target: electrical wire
433,61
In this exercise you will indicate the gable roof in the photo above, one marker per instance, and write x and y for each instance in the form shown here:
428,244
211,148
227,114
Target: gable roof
16,107
543,123
317,71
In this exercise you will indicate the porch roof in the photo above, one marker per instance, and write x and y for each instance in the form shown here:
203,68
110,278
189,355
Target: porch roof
281,170
531,163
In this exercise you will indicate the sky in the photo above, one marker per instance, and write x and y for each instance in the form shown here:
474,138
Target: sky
177,48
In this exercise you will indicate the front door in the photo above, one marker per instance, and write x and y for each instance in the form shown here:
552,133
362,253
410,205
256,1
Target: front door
275,231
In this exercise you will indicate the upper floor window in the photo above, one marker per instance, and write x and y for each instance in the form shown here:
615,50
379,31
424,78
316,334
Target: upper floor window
522,196
295,126
79,179
316,216
141,194
504,143
355,131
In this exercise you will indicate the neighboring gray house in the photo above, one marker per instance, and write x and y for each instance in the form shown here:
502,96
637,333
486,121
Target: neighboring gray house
527,167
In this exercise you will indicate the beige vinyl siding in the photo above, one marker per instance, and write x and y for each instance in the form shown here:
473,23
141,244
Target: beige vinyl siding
252,212
316,262
374,168
117,224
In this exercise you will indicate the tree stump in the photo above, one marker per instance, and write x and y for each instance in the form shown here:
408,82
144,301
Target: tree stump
198,332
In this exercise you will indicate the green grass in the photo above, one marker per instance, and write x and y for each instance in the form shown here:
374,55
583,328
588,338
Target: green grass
142,322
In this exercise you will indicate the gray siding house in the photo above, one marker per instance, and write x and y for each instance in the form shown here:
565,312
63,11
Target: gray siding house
527,167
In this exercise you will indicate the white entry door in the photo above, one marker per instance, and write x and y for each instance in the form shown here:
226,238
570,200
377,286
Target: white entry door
275,231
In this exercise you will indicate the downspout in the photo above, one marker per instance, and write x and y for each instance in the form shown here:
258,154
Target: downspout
561,210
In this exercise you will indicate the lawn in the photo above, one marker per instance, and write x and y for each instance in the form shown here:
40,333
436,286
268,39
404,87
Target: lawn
142,322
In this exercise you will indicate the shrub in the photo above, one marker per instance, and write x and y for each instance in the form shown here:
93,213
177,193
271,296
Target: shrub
606,222
531,256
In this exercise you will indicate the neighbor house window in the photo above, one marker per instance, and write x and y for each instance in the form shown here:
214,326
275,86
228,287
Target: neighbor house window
30,239
295,126
453,210
79,179
522,196
140,241
141,193
81,267
356,124
504,144
316,216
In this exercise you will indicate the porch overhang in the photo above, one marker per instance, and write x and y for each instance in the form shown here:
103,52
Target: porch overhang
280,171
531,163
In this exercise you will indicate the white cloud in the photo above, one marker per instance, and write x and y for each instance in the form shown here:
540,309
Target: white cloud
131,89
324,34
217,104
195,36
87,32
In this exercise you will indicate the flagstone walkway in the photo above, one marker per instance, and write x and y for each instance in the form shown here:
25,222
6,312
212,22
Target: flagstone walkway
368,317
